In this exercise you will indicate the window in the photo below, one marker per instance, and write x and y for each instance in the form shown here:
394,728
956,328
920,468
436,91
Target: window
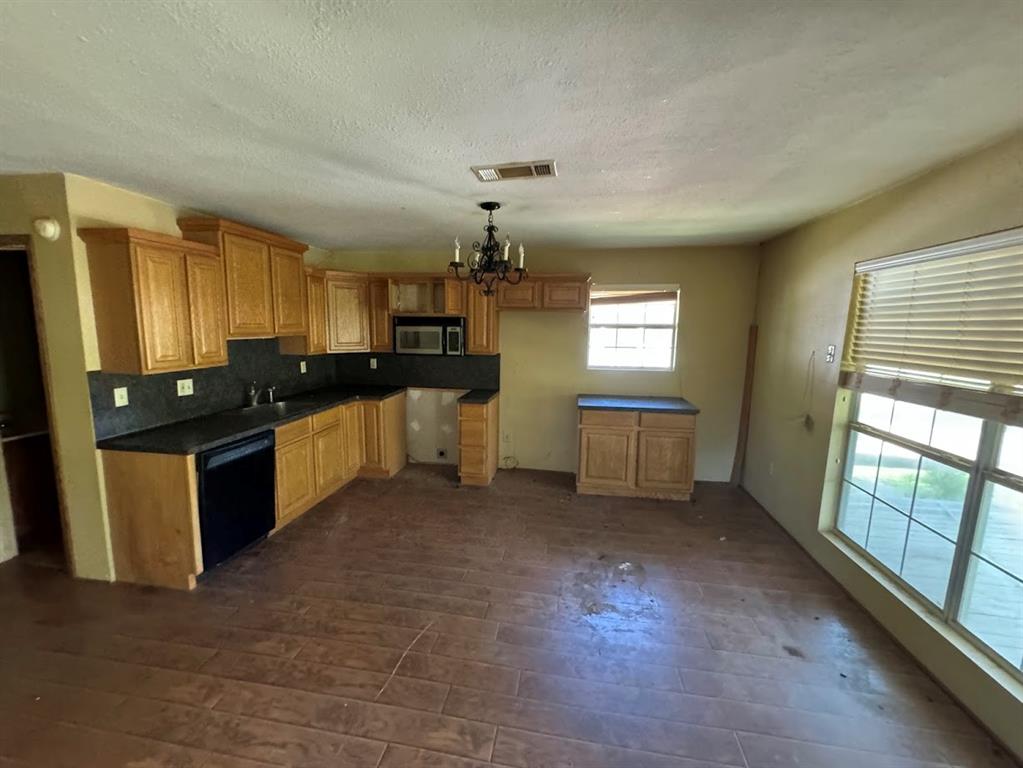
633,327
932,489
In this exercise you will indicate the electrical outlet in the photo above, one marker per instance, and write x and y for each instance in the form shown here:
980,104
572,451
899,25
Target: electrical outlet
372,363
301,367
120,397
184,387
829,355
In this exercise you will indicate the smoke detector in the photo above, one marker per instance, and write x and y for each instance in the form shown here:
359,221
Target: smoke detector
533,169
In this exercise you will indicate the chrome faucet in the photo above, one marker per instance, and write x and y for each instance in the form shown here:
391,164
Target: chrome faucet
270,392
252,395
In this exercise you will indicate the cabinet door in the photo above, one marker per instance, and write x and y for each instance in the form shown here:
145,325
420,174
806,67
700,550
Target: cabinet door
380,315
162,296
454,297
481,322
607,457
316,301
566,294
296,482
525,295
373,454
665,460
207,308
249,298
351,420
288,272
347,316
327,451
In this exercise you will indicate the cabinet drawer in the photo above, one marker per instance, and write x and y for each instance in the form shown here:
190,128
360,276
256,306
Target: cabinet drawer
668,420
609,418
326,418
474,411
293,431
472,433
472,461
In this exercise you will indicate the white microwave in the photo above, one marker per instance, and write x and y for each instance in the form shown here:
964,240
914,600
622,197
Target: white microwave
429,335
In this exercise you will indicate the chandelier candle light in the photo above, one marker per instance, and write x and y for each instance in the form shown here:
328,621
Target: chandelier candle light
490,260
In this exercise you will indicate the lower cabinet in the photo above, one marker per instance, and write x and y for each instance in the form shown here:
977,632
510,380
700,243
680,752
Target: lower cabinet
296,476
384,451
477,442
633,453
328,458
351,435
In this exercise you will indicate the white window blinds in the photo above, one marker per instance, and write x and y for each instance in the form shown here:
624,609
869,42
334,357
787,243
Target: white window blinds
951,315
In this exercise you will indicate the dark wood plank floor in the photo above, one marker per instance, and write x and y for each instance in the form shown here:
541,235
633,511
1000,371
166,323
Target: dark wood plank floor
412,624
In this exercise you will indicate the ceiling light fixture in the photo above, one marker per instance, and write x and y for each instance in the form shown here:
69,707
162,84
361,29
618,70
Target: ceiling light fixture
490,261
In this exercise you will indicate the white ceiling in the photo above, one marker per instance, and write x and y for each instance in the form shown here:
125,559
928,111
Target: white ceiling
353,125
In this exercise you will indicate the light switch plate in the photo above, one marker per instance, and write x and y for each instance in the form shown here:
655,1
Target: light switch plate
184,387
372,363
120,397
301,367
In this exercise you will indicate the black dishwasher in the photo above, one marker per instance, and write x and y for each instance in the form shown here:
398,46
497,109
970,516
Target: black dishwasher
236,496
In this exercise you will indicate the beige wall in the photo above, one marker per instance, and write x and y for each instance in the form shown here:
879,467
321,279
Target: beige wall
543,354
802,304
22,199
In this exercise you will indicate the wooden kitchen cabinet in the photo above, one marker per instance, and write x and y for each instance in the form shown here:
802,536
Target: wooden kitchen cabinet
636,453
352,439
263,276
380,329
157,299
383,437
328,457
454,296
566,293
288,286
347,312
478,442
314,342
295,468
480,323
207,305
525,295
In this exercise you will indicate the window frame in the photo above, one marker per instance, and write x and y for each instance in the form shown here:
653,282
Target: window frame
674,326
982,470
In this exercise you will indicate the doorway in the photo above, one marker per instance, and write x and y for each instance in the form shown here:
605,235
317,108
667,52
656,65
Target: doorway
25,440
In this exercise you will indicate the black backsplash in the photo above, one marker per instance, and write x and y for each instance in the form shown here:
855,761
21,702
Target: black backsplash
441,372
153,400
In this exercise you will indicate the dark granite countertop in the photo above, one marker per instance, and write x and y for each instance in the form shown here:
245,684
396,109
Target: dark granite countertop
481,396
218,429
636,403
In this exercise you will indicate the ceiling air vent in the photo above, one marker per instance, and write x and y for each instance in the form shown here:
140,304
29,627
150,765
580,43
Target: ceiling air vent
505,171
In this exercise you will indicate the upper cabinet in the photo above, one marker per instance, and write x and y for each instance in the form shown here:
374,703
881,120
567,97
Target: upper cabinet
314,341
264,277
380,329
550,291
480,322
158,301
347,312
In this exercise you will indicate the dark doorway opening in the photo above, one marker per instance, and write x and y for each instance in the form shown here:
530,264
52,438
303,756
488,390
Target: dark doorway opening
24,422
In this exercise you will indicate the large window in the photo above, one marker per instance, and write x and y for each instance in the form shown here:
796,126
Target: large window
932,489
633,327
936,498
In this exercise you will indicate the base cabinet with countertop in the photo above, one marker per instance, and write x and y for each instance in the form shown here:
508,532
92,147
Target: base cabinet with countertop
478,437
636,446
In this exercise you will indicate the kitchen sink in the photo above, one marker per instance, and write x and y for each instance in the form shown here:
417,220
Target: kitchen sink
280,408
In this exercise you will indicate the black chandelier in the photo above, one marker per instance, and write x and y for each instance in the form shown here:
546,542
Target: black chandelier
490,261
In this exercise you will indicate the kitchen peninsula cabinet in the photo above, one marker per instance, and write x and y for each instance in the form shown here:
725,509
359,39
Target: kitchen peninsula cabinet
636,446
263,274
478,437
384,451
158,301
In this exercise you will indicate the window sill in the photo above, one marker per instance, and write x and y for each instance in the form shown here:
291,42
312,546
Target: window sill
984,663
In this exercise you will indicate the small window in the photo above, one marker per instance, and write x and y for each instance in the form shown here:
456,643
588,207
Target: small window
633,328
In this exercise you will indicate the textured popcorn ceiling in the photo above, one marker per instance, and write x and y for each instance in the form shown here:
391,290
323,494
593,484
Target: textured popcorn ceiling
353,125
